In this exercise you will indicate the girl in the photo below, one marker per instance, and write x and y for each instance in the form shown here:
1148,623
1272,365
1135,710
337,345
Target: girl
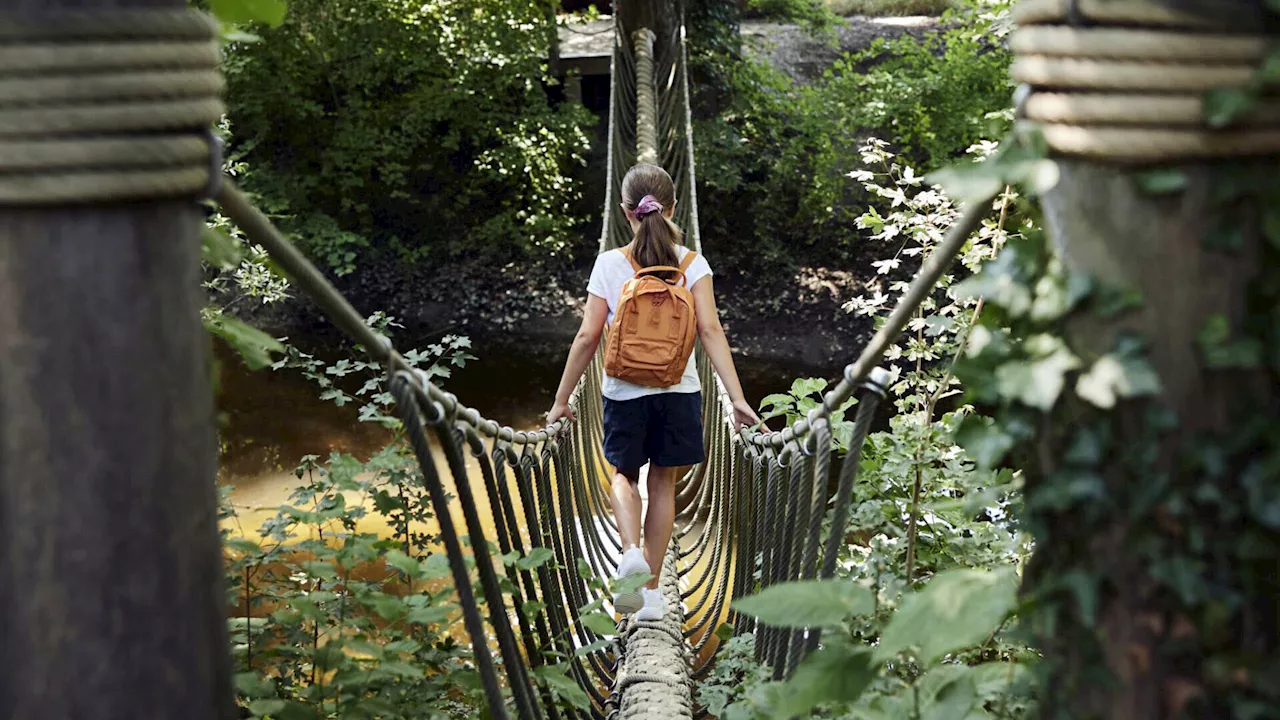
659,426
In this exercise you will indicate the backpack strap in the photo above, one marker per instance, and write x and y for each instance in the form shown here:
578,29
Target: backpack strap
684,266
626,253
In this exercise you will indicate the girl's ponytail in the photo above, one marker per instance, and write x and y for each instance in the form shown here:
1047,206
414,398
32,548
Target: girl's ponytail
647,193
657,237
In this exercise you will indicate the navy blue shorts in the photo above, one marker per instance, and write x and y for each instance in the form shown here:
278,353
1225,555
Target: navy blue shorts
665,429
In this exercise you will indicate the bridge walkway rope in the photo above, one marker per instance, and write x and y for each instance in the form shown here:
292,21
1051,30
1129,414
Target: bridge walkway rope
146,83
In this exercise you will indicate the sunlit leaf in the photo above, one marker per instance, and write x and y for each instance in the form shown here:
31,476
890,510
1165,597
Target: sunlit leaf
957,609
810,603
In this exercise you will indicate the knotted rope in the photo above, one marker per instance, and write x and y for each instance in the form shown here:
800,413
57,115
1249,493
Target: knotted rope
1138,93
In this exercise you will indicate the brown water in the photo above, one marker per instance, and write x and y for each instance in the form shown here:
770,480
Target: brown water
271,419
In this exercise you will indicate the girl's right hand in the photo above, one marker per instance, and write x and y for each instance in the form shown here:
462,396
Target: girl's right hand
744,414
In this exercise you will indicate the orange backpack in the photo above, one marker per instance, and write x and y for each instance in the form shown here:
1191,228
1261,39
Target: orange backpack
654,328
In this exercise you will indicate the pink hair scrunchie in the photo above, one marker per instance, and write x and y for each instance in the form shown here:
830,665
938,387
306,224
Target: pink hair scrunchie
647,205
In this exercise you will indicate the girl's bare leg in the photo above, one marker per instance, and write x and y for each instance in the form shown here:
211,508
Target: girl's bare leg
625,498
660,518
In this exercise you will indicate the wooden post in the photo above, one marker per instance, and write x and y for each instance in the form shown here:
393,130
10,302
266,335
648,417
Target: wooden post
111,592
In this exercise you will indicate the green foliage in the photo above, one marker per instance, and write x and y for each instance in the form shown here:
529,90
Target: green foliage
414,129
880,8
1092,428
317,632
774,166
919,623
338,380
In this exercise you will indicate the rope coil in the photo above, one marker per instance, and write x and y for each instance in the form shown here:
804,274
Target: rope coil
1137,93
103,107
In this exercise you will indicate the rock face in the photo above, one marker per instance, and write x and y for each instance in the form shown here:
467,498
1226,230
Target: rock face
804,56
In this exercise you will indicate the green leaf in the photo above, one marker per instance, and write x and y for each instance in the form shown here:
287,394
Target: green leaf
218,249
775,400
431,615
405,564
985,441
803,387
809,603
1114,376
253,345
264,707
725,632
947,693
1162,181
535,558
601,623
1037,381
243,545
1223,106
435,567
592,647
1220,352
562,686
236,12
836,672
957,609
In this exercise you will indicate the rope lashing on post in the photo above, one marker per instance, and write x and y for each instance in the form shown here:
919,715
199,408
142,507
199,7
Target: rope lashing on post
107,106
1136,93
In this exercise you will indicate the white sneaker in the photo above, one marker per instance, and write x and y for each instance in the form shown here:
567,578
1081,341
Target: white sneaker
655,606
631,564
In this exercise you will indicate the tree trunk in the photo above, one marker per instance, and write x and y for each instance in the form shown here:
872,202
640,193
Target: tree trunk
111,594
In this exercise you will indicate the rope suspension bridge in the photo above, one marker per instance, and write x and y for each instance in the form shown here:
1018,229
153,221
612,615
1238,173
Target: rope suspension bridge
100,107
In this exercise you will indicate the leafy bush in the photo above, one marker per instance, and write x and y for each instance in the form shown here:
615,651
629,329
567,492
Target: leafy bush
774,166
924,514
423,128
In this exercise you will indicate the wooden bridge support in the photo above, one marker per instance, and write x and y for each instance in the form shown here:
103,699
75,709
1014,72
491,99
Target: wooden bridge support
111,595
1148,625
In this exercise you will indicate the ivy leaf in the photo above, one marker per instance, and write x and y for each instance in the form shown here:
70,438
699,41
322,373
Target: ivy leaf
809,603
239,12
1037,381
1219,352
586,650
957,609
985,441
1114,377
837,672
536,558
562,686
601,623
253,345
803,387
724,633
775,400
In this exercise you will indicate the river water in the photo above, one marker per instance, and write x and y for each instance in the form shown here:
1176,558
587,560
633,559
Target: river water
269,420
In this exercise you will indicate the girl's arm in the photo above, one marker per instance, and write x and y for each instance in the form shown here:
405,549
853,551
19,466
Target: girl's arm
717,346
580,354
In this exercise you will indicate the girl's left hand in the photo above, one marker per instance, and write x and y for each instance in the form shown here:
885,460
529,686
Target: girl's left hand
560,410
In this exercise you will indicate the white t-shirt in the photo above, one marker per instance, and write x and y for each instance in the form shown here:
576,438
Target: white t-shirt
612,269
